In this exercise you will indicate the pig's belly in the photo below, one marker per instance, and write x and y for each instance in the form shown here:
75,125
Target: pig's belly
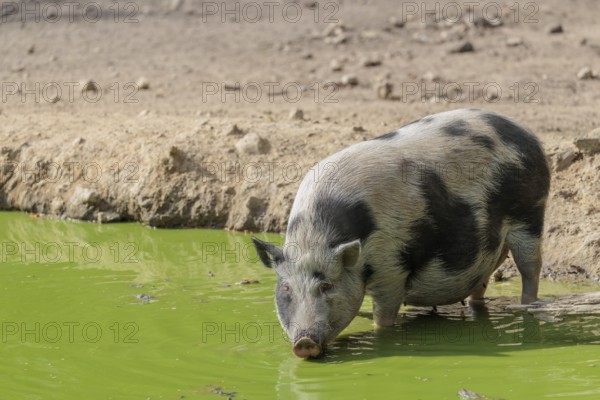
436,286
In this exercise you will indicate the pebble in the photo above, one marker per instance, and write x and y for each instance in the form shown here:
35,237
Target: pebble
143,84
590,144
565,158
384,90
463,47
296,113
371,62
554,29
397,23
252,143
350,80
234,130
586,73
514,41
335,65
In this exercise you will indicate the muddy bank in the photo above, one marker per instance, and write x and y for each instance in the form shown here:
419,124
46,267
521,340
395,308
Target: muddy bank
217,175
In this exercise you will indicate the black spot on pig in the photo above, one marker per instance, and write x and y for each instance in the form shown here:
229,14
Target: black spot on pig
345,220
448,231
367,271
521,190
484,141
458,128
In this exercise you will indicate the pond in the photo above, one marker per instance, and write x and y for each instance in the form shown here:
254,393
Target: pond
127,312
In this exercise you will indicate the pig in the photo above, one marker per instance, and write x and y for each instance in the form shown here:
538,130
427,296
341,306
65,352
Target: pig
421,216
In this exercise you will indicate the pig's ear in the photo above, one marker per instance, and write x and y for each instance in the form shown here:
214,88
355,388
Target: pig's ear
269,254
348,253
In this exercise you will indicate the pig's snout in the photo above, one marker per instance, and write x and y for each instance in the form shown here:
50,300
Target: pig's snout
305,347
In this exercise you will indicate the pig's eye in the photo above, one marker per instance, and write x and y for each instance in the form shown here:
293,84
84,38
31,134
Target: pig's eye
285,287
326,287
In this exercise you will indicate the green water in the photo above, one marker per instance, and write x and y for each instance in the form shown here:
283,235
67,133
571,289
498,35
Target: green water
125,312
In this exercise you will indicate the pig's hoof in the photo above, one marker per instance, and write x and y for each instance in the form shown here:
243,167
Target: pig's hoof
306,348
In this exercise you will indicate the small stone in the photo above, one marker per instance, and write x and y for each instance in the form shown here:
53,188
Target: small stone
31,49
590,144
143,113
358,129
253,144
307,56
487,22
371,62
296,113
585,73
88,85
349,80
554,29
233,86
384,90
143,84
248,282
78,141
498,276
104,217
463,47
565,158
431,77
234,130
514,41
335,65
397,23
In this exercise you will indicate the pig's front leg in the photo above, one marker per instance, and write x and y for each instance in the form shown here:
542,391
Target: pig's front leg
388,295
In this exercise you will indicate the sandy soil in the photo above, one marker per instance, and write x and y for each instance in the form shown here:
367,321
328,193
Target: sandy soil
191,114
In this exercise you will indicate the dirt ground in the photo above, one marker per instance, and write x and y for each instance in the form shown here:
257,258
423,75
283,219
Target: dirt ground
208,114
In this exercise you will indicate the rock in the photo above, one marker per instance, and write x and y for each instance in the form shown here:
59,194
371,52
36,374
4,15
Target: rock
104,217
31,49
371,62
358,129
253,144
248,282
565,158
335,65
590,144
142,84
297,114
233,130
585,73
463,47
514,41
81,203
487,22
465,394
349,80
397,23
384,90
431,77
88,85
175,160
554,29
143,113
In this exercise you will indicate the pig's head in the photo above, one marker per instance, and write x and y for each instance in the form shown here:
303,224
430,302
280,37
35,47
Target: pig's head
318,292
